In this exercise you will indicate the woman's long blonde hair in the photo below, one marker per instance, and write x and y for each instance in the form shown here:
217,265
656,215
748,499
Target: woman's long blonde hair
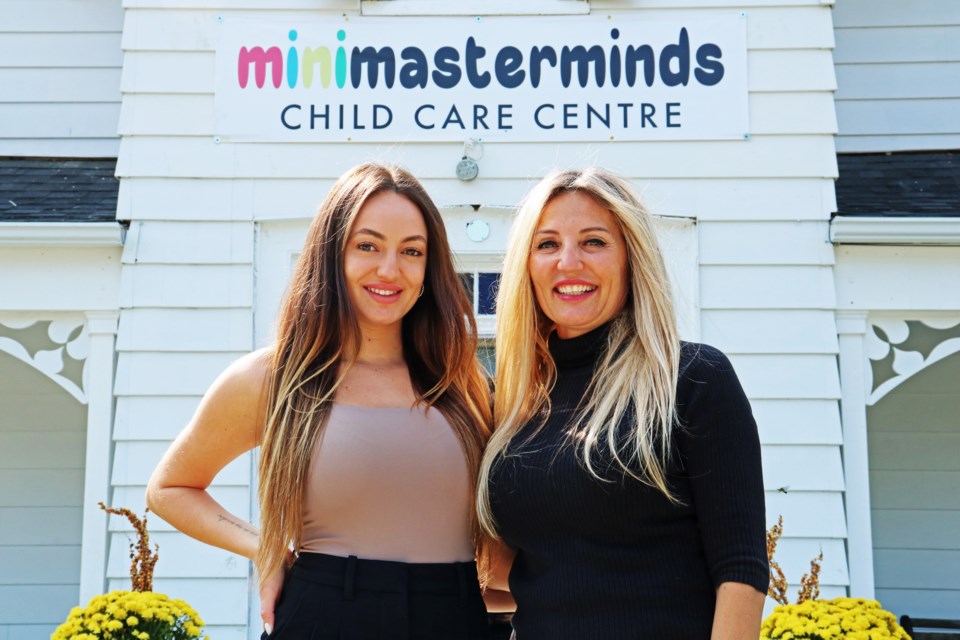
638,370
317,340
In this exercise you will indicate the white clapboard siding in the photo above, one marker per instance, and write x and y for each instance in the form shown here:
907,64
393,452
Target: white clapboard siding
193,243
169,374
897,490
45,450
808,514
790,70
761,156
49,86
150,198
33,525
218,610
909,117
788,376
32,603
796,421
41,488
920,603
332,5
914,528
62,50
195,330
168,72
897,278
780,462
55,279
743,331
772,287
183,557
161,285
31,564
74,148
152,417
901,81
916,569
57,120
62,59
767,27
898,75
768,243
136,460
794,556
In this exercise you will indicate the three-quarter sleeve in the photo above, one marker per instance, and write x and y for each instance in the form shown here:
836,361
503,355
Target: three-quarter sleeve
719,449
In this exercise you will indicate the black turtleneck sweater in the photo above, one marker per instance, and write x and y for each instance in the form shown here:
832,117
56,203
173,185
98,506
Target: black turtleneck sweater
616,560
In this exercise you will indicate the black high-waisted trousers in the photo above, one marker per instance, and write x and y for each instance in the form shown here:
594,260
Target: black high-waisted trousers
333,598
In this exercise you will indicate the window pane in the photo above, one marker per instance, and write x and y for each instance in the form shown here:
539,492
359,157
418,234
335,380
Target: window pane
489,282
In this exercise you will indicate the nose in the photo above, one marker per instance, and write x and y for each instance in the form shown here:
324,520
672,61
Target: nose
569,257
389,267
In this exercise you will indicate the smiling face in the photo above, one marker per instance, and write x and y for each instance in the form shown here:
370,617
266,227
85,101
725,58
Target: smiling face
578,264
385,260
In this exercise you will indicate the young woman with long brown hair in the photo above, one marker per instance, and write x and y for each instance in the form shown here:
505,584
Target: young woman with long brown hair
371,412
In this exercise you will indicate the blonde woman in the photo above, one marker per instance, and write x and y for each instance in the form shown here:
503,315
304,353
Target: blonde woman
371,412
624,473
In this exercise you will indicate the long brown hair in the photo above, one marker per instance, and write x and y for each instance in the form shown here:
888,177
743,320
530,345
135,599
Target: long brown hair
317,338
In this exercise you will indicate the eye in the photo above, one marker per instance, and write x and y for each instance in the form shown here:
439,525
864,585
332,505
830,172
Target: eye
366,246
546,244
412,251
595,242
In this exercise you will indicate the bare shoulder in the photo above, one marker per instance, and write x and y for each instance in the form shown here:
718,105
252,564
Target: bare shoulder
238,397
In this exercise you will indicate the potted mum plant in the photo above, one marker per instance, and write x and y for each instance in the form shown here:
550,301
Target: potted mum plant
813,619
138,614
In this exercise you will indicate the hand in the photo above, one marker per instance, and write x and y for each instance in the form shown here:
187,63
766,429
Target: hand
270,593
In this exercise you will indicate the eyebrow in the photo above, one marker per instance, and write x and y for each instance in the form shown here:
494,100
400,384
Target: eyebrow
585,230
380,236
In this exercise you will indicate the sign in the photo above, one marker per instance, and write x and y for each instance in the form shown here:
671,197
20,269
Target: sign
588,78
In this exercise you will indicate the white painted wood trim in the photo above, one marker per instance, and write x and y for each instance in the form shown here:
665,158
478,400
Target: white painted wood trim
852,329
61,234
473,7
885,230
102,329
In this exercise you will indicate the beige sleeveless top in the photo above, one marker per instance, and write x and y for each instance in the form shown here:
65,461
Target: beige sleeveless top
388,483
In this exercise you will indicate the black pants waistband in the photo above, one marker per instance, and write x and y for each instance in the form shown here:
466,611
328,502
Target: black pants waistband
353,573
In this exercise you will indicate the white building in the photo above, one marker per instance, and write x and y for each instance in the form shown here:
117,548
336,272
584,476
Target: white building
858,434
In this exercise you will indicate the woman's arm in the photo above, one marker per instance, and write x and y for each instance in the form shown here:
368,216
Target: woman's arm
738,612
228,423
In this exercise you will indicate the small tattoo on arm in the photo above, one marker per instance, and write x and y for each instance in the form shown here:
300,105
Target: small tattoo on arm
239,525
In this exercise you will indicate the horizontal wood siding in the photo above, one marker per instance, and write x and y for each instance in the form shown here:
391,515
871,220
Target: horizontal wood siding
64,59
41,498
914,437
898,75
761,205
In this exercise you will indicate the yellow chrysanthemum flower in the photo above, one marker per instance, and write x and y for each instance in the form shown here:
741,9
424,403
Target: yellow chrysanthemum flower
849,618
125,615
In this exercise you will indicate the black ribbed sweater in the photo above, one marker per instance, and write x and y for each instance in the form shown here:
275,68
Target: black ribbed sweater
616,560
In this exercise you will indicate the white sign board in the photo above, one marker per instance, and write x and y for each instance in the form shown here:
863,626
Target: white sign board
587,78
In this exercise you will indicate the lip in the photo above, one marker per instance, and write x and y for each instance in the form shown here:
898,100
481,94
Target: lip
574,283
383,292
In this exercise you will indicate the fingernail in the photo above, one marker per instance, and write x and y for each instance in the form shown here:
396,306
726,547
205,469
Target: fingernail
267,628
